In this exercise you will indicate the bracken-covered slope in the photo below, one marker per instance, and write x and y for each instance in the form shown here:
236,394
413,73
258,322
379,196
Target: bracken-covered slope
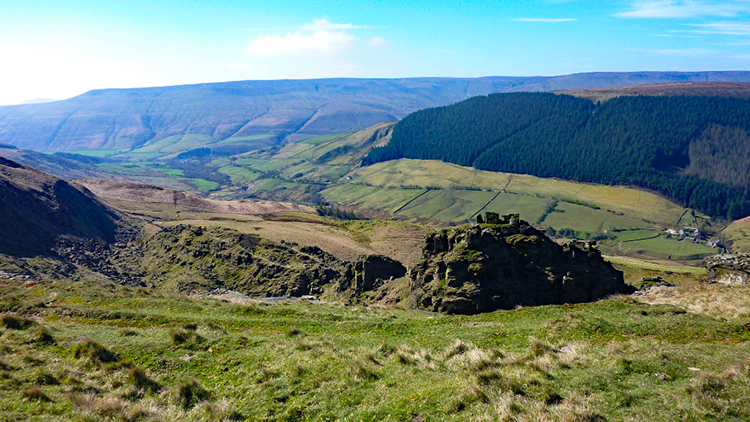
37,209
256,113
696,89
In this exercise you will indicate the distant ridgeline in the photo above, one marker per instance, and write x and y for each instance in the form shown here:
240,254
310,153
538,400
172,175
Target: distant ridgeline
695,150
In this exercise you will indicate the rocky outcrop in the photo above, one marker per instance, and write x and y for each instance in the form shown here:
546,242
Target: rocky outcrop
732,269
198,259
189,258
486,267
371,271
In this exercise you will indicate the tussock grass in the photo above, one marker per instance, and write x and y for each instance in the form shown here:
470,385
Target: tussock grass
94,351
189,393
138,377
34,394
541,348
128,332
186,338
458,347
45,378
617,360
45,337
13,322
294,332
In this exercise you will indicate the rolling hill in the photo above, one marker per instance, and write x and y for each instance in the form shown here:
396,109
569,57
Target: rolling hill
692,149
149,122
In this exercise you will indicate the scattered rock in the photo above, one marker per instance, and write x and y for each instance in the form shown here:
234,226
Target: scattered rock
648,283
728,269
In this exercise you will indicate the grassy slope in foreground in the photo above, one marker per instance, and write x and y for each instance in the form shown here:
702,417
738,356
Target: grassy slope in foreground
169,357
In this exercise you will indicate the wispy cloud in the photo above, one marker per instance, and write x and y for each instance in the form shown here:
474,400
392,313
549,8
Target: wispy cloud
666,9
324,25
544,20
722,28
319,36
678,34
687,52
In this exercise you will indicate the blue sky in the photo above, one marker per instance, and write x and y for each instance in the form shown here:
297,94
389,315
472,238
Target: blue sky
55,49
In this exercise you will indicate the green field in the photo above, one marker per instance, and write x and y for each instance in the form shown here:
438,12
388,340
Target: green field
239,175
590,220
370,197
459,205
201,184
659,267
174,144
737,235
631,202
663,248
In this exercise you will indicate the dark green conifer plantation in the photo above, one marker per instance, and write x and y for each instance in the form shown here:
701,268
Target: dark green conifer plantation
694,150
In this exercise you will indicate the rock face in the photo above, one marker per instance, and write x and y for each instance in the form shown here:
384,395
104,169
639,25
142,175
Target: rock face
486,267
728,269
371,271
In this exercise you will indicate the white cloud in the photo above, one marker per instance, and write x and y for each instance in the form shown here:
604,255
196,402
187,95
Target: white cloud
324,25
59,70
320,41
544,20
320,36
377,42
685,9
678,34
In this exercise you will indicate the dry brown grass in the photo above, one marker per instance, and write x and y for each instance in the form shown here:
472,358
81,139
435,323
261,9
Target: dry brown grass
139,193
716,300
720,89
334,240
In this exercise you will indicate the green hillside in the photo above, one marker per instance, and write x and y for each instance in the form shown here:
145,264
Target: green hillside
690,149
326,170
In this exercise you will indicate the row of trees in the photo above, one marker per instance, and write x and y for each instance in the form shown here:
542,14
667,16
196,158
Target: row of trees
648,142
